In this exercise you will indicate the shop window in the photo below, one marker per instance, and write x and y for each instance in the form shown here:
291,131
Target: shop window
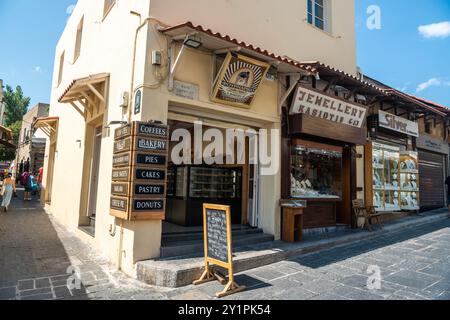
61,68
78,40
316,173
318,14
108,5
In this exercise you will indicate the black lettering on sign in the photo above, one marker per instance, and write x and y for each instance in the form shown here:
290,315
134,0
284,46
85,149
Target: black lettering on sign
150,174
121,175
120,189
145,144
146,129
122,160
149,190
151,159
148,205
119,204
122,132
122,145
217,235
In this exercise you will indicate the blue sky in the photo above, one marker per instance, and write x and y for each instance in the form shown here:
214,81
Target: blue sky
397,54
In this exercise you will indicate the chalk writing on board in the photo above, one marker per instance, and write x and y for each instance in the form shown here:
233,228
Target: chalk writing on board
217,235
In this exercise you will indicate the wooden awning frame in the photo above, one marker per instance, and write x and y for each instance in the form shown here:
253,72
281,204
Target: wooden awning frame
49,126
88,93
6,143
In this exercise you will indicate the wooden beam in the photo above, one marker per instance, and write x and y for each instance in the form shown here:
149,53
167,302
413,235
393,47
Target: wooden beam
89,99
98,94
77,109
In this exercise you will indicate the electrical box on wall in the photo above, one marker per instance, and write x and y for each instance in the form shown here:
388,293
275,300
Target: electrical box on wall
124,99
156,58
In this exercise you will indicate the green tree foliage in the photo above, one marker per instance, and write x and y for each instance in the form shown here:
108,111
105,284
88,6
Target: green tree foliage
16,105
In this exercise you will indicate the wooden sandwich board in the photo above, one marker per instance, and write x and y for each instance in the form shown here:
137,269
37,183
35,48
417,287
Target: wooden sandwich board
218,248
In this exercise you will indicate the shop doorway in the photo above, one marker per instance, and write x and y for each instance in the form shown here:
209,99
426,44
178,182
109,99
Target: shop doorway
51,165
95,164
93,146
190,185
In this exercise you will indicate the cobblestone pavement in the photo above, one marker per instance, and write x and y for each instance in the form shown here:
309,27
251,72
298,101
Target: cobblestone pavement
36,252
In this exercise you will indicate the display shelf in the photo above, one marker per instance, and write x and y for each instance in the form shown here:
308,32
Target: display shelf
316,173
395,178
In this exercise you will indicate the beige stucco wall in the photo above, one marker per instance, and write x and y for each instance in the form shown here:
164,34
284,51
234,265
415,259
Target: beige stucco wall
107,46
278,26
24,148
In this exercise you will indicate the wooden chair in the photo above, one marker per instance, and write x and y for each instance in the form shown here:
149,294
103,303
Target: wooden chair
368,213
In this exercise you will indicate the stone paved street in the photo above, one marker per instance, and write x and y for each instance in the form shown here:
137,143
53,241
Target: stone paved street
36,252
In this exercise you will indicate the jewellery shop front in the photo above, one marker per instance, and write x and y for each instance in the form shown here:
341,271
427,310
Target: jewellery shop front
392,167
320,158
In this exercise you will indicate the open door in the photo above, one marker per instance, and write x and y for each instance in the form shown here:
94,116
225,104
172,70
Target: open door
94,173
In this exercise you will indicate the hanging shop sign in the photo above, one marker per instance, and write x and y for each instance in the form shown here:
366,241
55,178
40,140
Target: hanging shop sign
239,80
427,142
139,173
218,248
318,105
398,124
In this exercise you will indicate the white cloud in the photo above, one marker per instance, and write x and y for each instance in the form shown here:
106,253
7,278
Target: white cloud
37,69
435,30
70,9
430,83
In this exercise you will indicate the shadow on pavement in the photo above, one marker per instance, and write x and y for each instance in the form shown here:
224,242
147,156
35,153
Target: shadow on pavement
33,262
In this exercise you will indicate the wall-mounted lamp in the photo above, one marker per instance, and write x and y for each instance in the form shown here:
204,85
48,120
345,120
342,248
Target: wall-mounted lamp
192,43
113,123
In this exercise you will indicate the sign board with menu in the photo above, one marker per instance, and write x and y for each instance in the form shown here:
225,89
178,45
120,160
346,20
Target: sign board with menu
218,247
138,189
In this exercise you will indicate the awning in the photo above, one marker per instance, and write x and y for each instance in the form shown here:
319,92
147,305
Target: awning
48,125
6,138
218,42
416,102
89,92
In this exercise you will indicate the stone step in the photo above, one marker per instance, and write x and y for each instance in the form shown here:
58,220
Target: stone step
196,247
167,239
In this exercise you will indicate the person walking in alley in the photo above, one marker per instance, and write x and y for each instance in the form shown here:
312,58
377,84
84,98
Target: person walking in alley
25,182
8,190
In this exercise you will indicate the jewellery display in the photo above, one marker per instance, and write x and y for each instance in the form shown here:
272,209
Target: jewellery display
316,173
395,179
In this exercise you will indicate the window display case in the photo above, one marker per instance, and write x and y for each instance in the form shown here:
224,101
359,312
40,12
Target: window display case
192,186
316,173
409,180
394,178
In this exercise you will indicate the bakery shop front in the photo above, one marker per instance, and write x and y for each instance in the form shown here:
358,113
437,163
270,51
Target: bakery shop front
320,157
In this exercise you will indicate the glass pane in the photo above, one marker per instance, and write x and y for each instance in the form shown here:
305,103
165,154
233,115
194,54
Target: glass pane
215,183
319,24
319,2
319,12
316,173
310,7
310,19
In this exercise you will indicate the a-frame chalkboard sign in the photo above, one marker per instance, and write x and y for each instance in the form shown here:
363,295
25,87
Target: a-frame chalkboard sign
218,248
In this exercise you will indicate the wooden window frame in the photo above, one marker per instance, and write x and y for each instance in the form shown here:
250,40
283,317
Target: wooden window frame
79,40
61,67
108,7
